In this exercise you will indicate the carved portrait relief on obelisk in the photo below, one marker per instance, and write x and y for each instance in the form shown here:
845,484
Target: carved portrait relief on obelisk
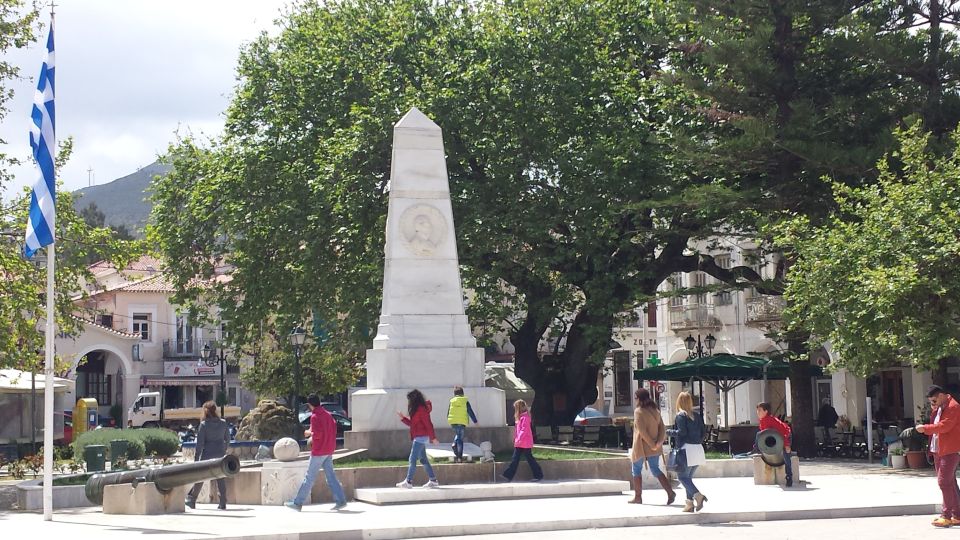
423,229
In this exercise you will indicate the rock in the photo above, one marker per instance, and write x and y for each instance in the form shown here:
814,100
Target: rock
286,449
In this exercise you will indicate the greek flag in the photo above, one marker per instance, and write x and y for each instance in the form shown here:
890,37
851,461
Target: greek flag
40,225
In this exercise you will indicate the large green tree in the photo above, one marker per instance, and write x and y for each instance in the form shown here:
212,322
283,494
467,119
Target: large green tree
572,200
800,90
879,279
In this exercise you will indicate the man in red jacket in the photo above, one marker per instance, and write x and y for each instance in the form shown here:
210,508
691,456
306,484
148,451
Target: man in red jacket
323,441
768,421
945,446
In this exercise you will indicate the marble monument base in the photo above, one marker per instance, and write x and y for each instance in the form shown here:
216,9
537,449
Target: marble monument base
395,443
376,409
143,500
280,481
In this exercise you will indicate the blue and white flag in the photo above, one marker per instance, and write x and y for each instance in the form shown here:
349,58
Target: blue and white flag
43,140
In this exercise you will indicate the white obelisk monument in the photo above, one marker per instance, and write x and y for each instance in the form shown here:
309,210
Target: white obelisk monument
423,340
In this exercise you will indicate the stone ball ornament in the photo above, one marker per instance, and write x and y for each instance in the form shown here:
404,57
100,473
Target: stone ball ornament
286,449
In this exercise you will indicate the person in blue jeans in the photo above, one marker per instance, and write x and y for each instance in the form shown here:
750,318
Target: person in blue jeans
458,412
323,441
688,433
421,432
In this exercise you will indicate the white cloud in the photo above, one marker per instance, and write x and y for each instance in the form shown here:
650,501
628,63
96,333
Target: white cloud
129,74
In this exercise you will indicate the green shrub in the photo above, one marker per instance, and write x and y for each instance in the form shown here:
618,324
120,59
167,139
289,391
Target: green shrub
159,441
135,446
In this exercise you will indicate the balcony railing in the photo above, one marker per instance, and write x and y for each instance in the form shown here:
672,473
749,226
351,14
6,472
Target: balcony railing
693,317
183,348
764,309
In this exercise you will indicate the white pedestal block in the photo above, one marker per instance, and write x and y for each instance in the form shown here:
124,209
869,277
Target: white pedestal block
280,481
425,368
143,500
765,475
376,409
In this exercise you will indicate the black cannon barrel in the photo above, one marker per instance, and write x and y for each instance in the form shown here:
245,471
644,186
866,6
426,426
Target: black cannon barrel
166,477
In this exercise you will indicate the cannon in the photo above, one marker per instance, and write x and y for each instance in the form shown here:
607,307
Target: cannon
770,445
165,478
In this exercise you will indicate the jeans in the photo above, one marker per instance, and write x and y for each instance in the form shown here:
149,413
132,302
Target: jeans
458,430
788,464
418,451
686,479
947,480
313,468
652,461
515,462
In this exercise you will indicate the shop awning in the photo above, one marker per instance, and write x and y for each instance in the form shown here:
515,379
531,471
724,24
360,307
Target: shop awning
180,381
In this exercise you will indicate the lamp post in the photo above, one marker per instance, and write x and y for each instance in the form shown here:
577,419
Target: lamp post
211,360
297,338
695,350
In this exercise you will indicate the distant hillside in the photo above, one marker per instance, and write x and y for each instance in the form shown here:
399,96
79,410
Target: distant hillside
123,200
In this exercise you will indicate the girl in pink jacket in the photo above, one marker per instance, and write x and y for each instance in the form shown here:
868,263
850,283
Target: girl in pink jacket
523,443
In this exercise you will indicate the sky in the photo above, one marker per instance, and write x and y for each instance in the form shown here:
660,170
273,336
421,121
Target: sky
129,75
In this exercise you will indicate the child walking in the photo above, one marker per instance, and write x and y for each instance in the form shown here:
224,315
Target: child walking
421,431
458,413
522,443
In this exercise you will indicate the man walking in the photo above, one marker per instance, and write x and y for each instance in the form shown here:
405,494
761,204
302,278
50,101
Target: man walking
945,447
323,441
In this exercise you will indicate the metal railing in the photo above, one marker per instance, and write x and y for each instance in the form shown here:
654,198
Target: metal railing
184,348
764,309
693,317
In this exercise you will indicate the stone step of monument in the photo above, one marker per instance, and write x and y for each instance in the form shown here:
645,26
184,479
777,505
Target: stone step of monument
503,490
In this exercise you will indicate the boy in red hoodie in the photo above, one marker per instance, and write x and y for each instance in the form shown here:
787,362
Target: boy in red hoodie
768,421
944,433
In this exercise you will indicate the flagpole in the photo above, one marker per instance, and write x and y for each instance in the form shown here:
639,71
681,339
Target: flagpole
48,393
48,366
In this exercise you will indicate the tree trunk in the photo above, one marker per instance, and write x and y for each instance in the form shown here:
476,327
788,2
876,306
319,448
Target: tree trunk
801,398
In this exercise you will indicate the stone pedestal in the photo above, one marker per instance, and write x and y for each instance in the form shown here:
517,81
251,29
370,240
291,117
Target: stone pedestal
143,500
242,488
279,481
765,475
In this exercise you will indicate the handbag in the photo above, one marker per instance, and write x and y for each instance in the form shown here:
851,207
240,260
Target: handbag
677,460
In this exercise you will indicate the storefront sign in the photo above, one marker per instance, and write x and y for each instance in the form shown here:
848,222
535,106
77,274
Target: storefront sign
189,369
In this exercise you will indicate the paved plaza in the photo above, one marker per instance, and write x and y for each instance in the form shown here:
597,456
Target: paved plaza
731,500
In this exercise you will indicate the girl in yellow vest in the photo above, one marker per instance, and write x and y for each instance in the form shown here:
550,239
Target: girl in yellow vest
457,416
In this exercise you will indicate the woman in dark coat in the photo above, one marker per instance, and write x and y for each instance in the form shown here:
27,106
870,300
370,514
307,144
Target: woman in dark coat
213,438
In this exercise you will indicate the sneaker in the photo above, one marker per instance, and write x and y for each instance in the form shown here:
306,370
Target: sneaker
293,506
505,478
942,522
339,506
405,485
536,479
431,484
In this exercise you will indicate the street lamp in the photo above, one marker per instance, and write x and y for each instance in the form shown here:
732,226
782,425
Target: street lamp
695,350
297,338
211,360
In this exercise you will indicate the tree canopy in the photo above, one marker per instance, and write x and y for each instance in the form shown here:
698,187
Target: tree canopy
879,280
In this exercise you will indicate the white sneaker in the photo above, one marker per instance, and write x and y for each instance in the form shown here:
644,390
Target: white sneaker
432,484
405,484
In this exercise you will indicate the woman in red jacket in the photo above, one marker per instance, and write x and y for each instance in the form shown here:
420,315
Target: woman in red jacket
421,431
944,435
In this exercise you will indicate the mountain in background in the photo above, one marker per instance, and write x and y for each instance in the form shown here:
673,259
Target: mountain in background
123,201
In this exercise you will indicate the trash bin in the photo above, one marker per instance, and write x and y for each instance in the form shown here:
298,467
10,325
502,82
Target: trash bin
118,452
95,456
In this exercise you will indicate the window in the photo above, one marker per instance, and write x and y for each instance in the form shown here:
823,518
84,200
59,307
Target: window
754,260
184,335
622,379
105,319
722,298
97,386
699,280
204,394
148,401
232,395
652,315
141,325
676,283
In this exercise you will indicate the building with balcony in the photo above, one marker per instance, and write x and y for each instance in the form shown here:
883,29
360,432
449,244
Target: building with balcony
139,341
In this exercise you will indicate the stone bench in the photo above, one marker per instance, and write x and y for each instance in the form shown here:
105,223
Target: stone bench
504,490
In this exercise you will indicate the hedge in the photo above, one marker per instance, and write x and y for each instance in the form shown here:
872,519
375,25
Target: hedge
146,441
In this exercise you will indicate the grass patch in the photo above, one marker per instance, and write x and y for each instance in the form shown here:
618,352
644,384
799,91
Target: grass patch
539,453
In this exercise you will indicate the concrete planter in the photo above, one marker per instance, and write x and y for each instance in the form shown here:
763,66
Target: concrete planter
898,462
30,496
